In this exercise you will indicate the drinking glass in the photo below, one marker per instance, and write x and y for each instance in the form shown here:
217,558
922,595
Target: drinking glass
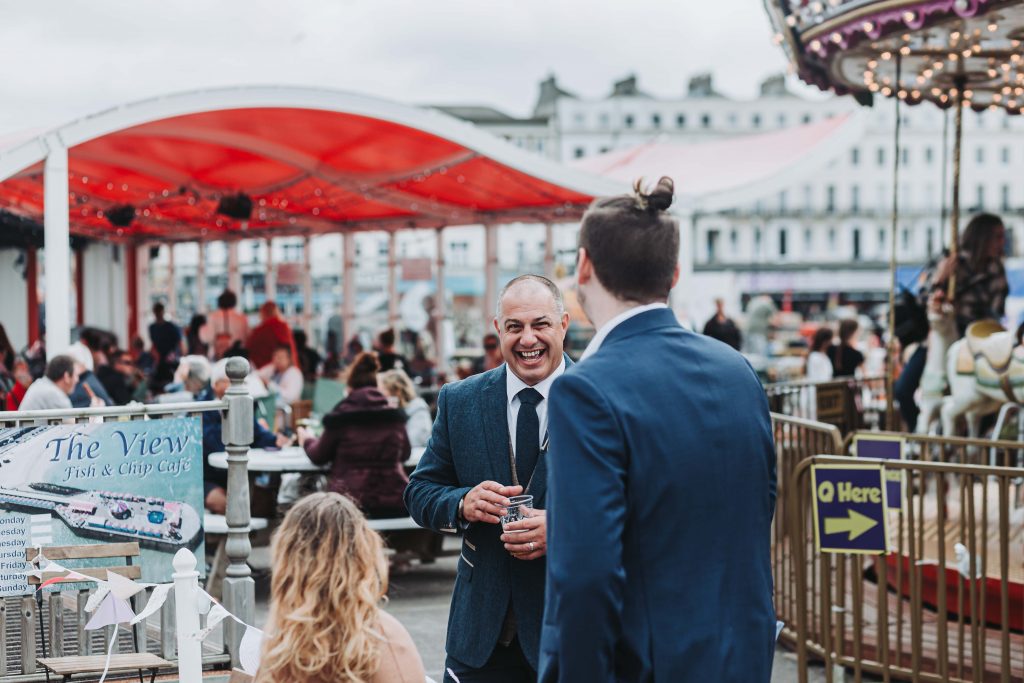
519,507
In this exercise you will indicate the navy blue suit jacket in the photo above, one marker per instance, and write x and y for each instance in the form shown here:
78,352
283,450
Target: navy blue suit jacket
661,491
470,444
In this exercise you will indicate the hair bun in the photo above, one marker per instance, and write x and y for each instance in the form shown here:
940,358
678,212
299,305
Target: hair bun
659,199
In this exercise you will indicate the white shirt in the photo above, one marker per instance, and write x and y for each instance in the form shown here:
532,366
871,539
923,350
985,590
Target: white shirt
513,385
606,329
44,394
288,383
819,367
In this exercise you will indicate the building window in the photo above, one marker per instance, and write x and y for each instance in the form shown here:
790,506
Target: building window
1005,154
656,120
855,157
981,197
1005,203
905,160
808,240
832,240
808,198
628,121
979,155
928,155
806,118
680,120
755,121
603,120
905,240
881,241
579,119
757,242
734,240
578,152
881,156
733,121
930,241
782,202
856,244
830,198
604,150
712,245
705,120
855,198
783,234
782,120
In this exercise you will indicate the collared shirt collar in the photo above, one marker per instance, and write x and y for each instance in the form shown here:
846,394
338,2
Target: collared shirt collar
513,385
606,329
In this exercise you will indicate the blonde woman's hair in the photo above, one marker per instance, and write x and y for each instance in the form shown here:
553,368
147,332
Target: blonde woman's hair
397,383
330,575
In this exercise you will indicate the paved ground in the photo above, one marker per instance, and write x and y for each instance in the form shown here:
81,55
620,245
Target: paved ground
419,599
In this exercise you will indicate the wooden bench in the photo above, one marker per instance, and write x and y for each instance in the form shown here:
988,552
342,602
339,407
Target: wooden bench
68,666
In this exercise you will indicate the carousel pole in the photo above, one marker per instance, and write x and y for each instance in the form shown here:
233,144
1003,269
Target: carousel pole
954,232
890,374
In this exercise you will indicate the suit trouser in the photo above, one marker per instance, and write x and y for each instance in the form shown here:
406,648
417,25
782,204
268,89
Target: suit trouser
506,665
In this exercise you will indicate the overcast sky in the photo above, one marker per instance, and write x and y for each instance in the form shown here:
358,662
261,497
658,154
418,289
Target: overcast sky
63,58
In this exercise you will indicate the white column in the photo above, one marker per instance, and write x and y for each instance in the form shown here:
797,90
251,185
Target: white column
679,298
57,237
439,312
172,301
201,279
393,317
234,277
307,290
348,279
549,251
270,278
490,272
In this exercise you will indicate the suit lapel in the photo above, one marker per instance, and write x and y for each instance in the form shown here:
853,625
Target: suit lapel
494,412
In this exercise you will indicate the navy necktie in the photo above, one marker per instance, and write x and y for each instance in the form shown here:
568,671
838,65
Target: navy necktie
527,434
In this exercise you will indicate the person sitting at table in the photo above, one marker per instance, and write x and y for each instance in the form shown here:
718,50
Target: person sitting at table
396,384
281,375
215,481
366,443
326,622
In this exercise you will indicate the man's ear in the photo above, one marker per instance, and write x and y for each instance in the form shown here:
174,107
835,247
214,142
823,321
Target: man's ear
675,275
584,267
496,327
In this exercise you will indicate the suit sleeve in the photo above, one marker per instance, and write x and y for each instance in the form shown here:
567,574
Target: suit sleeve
433,493
586,521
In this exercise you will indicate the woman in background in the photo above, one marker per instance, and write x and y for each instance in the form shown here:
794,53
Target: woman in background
329,578
396,383
366,443
818,367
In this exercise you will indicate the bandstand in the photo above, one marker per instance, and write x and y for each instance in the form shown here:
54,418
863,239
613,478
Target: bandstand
259,163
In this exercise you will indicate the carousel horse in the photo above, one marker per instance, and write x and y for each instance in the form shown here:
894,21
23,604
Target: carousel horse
941,335
985,370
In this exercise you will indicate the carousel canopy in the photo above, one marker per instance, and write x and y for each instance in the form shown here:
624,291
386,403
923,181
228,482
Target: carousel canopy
261,162
916,50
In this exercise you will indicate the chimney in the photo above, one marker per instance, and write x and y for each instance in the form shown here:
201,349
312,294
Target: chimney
774,86
701,85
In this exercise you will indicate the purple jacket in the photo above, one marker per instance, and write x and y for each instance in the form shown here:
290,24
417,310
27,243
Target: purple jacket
365,440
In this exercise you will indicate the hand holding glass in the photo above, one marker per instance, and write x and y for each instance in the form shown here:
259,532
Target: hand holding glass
519,507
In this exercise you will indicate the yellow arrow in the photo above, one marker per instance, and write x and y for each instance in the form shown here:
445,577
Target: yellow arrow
856,524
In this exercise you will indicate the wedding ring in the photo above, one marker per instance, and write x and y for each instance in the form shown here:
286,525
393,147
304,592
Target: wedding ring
531,546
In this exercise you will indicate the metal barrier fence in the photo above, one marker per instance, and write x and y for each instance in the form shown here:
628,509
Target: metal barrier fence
946,604
796,439
849,403
18,634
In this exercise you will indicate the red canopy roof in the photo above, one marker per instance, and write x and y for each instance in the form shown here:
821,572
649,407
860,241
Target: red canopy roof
306,161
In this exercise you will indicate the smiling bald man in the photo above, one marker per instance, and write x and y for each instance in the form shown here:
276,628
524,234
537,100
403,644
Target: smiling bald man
488,443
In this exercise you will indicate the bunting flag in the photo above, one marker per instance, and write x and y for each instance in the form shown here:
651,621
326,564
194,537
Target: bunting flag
113,610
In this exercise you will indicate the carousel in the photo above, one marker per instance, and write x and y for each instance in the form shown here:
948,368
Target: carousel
955,55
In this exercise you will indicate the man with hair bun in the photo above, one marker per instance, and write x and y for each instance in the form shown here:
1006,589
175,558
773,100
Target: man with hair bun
662,488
